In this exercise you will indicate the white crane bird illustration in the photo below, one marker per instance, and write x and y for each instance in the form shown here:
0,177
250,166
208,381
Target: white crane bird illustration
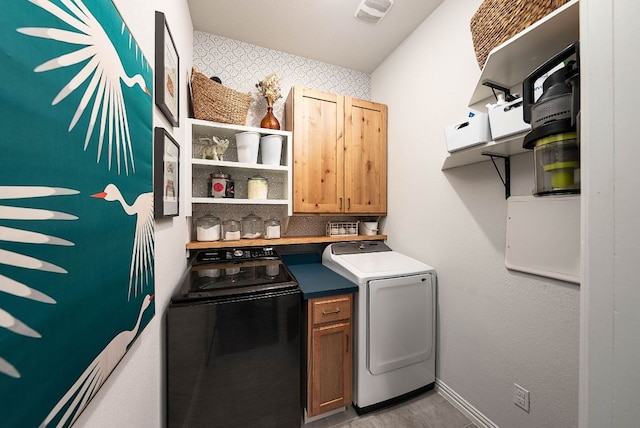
103,66
142,253
11,258
87,385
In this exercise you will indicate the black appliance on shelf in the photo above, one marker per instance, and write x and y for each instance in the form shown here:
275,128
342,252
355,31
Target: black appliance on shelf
554,119
233,342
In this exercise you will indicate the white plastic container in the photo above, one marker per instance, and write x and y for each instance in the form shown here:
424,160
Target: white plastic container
368,227
247,144
271,149
475,130
506,120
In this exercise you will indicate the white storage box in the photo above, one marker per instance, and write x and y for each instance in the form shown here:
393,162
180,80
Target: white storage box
506,120
472,132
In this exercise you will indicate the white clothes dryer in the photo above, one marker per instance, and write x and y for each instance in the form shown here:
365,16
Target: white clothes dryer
395,322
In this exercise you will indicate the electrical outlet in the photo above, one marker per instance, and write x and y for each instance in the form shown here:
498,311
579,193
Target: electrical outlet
521,397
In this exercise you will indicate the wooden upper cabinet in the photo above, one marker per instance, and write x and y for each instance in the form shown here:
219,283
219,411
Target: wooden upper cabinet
365,156
317,121
339,153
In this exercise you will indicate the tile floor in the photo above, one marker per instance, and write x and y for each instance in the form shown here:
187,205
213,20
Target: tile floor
428,410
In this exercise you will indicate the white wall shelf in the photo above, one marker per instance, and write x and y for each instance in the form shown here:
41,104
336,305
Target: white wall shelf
507,147
509,63
207,163
197,169
239,201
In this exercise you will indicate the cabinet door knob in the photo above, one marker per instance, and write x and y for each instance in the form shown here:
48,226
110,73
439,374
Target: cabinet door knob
347,344
340,203
335,311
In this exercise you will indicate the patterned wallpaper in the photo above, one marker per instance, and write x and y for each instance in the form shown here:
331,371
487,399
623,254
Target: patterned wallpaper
240,66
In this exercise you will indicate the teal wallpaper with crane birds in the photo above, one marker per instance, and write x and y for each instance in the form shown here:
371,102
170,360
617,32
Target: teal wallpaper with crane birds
76,204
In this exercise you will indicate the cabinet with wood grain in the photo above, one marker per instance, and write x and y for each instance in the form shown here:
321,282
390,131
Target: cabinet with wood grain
329,353
339,153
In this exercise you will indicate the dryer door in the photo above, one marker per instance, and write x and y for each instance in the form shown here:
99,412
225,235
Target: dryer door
401,322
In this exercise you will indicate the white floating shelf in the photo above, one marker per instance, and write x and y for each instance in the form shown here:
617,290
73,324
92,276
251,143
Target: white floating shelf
509,63
240,165
227,130
508,146
281,173
238,201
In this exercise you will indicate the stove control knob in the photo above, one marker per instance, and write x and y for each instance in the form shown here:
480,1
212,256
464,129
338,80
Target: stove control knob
238,253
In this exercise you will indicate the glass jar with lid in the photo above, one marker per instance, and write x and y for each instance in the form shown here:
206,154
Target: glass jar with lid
230,230
252,227
272,229
220,185
208,228
257,188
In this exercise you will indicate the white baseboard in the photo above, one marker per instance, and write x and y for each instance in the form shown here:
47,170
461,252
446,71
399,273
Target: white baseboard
308,419
464,406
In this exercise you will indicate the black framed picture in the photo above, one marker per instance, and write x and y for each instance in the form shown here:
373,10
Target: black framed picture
167,72
166,173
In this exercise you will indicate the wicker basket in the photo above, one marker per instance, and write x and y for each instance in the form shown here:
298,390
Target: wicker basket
496,21
217,103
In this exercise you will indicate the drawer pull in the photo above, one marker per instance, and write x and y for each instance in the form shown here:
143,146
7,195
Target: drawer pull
335,311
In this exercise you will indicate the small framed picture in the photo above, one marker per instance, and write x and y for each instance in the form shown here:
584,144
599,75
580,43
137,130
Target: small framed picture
167,72
166,173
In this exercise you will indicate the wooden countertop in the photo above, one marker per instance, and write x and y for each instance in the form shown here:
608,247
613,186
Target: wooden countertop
200,245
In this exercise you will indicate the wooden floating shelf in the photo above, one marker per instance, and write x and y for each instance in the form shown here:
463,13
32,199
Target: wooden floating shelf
202,245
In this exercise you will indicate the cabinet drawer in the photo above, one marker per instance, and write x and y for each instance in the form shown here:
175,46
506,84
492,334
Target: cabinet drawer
330,309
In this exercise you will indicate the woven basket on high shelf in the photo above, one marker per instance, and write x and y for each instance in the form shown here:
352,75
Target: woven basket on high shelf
496,21
217,103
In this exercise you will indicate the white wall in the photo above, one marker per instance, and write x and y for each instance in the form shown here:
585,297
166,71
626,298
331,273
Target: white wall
133,396
496,327
610,350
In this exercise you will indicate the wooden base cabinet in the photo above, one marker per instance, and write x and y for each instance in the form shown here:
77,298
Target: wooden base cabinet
329,354
339,153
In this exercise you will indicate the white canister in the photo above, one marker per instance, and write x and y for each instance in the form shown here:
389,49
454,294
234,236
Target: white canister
368,227
271,149
247,144
257,188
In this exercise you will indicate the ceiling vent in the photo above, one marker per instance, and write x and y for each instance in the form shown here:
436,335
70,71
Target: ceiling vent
372,11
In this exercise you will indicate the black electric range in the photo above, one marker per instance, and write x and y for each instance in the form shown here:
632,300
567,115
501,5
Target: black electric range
233,342
226,272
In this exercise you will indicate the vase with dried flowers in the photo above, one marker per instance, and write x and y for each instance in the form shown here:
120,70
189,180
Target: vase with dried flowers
270,89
